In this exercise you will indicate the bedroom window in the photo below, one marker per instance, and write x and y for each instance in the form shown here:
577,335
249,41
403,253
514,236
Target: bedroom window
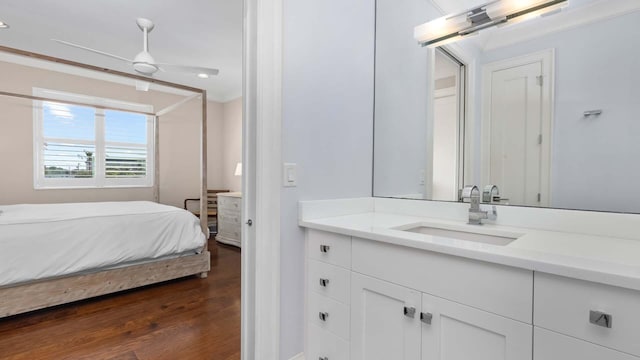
79,146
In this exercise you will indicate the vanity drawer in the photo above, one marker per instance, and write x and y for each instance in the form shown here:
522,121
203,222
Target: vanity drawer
498,289
564,305
322,344
328,314
329,280
553,346
330,248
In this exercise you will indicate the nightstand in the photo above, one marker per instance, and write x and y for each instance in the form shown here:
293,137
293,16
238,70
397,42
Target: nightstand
229,218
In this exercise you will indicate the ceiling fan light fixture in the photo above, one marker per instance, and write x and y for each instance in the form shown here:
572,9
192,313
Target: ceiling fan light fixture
4,25
142,85
203,75
144,63
145,68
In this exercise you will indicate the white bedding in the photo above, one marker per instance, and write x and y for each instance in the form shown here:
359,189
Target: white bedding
48,240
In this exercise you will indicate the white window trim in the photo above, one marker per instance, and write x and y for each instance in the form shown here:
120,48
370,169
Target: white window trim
39,180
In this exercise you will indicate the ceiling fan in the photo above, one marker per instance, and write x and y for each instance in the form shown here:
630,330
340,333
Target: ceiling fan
144,63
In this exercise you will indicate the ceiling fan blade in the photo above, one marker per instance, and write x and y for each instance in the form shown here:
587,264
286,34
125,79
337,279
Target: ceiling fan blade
92,50
188,69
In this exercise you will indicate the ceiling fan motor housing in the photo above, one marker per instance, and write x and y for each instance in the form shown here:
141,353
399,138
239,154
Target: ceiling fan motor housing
144,63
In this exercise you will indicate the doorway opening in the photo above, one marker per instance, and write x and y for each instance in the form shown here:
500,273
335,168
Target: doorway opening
449,109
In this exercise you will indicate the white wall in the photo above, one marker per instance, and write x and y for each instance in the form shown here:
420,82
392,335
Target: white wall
215,143
231,144
593,160
401,97
327,127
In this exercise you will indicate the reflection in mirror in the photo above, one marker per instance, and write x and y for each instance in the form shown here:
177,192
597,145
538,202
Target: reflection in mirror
549,113
448,123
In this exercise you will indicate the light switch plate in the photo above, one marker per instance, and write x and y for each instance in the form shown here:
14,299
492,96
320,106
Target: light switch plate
289,175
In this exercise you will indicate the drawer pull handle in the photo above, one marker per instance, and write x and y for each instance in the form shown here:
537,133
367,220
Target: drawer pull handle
323,316
409,312
323,358
600,319
324,282
426,318
324,248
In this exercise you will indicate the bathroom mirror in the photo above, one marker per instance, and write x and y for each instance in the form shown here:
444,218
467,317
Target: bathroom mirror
547,109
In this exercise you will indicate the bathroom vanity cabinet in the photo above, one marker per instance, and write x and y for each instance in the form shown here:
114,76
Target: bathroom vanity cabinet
371,300
389,321
605,317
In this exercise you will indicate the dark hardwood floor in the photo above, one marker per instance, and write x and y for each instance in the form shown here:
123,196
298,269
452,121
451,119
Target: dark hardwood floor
188,318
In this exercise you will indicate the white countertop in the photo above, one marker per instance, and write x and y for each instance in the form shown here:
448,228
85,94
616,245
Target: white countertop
602,259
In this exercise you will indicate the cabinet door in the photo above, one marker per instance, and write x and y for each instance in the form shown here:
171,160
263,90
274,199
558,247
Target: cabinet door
381,328
452,331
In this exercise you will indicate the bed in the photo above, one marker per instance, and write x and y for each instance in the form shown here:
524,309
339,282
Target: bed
56,253
52,254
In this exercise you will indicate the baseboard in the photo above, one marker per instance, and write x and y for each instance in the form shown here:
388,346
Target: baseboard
298,357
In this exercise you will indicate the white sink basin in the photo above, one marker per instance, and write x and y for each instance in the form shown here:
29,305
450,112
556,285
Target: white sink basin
463,235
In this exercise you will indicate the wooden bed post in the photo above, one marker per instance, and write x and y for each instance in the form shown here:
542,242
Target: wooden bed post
204,198
156,159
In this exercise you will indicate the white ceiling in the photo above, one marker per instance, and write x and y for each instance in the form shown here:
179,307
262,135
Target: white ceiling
188,32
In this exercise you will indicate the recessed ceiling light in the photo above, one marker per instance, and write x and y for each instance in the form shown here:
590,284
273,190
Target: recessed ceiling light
203,76
4,25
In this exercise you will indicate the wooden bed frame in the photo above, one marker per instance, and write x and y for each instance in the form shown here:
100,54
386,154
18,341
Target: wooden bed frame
39,294
36,295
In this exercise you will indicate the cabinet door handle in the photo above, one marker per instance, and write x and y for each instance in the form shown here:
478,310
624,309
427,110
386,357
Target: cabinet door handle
599,318
324,248
323,358
323,316
324,282
409,312
426,318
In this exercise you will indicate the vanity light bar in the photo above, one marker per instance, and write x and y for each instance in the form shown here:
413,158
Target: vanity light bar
453,27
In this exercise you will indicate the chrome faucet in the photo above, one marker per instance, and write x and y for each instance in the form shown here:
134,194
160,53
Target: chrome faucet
476,215
490,194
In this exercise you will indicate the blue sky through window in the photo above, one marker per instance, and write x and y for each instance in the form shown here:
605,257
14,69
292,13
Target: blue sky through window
68,121
64,121
125,127
73,122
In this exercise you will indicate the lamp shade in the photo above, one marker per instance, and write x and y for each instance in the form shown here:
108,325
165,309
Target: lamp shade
238,171
498,12
520,10
441,28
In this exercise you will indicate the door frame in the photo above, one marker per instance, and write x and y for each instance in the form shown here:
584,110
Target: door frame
261,136
466,126
547,59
